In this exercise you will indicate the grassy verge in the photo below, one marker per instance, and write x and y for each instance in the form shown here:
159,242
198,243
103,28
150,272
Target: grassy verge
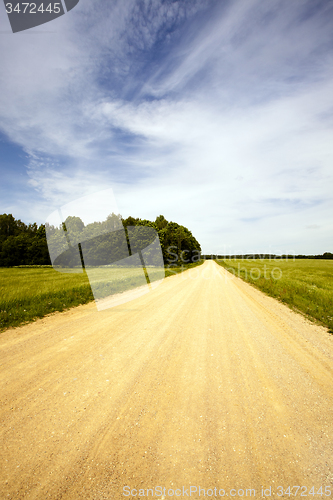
28,293
305,285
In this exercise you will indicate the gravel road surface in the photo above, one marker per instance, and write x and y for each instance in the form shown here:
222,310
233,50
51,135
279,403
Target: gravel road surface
203,382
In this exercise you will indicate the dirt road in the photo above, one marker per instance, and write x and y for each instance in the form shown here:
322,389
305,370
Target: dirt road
203,382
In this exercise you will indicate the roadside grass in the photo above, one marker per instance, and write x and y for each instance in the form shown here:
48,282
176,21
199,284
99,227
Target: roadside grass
305,285
29,293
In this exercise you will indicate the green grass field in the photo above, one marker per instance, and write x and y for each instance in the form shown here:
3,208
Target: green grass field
306,285
28,293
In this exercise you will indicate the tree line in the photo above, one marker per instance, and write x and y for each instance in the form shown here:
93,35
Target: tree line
22,244
325,256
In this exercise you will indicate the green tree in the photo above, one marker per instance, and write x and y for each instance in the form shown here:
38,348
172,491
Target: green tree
160,222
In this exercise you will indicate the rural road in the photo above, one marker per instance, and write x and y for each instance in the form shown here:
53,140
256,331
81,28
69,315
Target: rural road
204,381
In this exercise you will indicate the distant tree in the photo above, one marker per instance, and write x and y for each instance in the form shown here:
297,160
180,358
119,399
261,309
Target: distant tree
74,224
14,250
161,222
10,227
37,252
102,242
130,221
113,222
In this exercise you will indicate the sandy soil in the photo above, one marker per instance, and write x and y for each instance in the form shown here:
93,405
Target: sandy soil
204,381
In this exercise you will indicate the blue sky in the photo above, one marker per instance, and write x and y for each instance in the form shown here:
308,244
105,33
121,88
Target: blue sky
216,114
